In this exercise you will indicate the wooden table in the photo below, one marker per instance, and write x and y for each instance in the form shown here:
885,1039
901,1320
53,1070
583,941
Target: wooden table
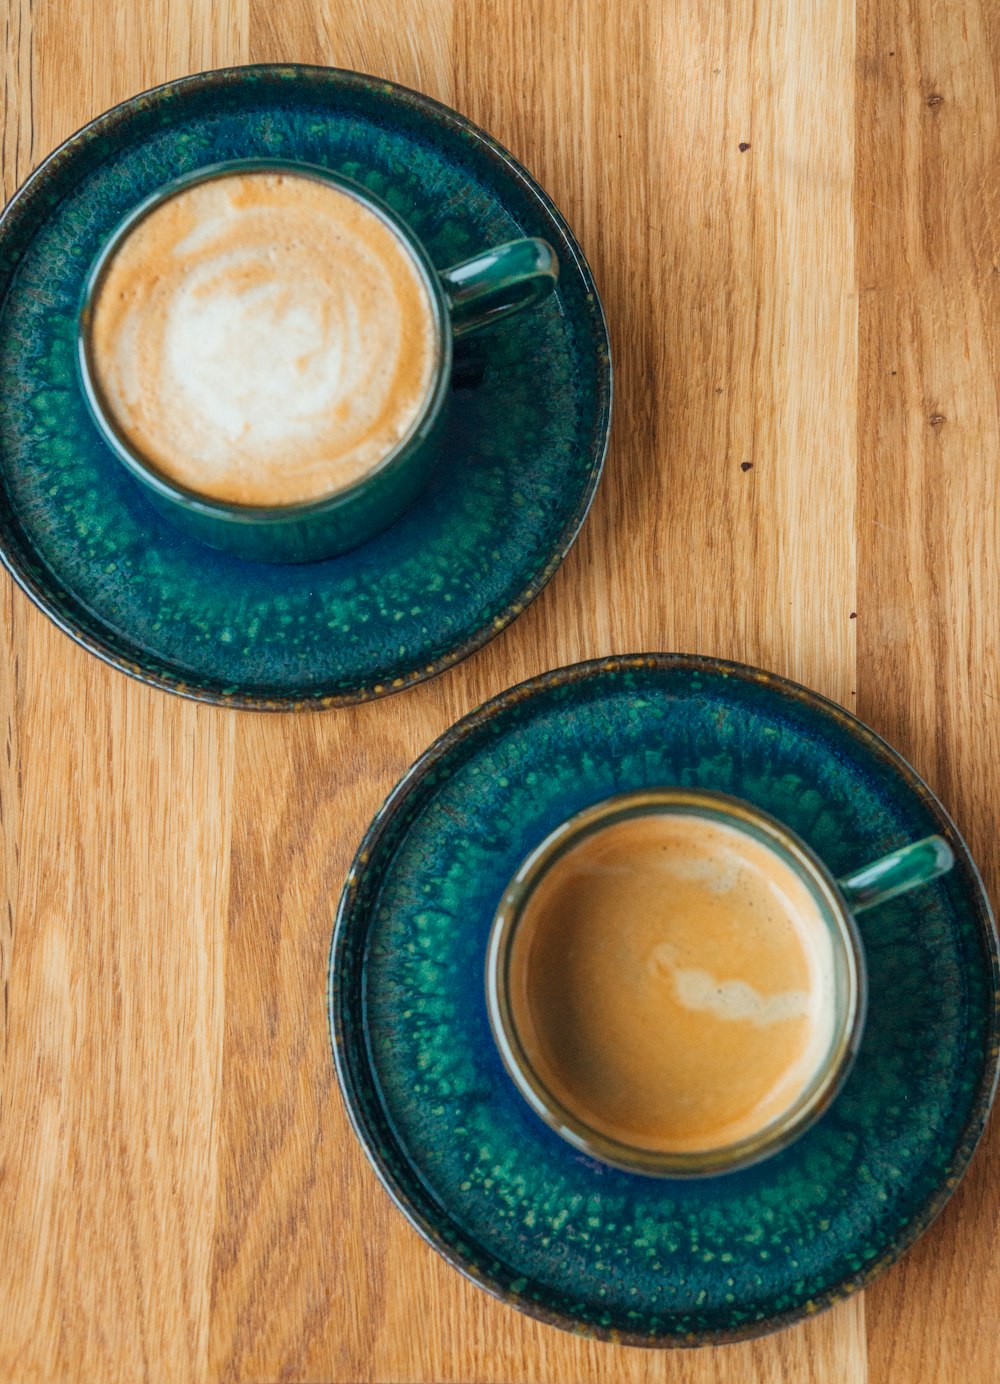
792,210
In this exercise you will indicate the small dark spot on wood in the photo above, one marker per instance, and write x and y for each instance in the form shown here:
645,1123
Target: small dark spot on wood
746,465
892,52
936,419
894,372
718,389
935,99
854,614
744,147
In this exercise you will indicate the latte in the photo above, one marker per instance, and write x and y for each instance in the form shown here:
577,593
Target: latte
670,982
263,338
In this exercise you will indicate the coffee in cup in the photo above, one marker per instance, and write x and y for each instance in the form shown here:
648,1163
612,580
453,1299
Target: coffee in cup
672,982
263,338
676,982
266,347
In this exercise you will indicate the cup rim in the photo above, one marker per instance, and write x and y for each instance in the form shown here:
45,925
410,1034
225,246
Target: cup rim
818,1093
140,466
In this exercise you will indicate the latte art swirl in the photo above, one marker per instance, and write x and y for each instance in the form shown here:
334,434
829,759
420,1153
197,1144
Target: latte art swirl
263,338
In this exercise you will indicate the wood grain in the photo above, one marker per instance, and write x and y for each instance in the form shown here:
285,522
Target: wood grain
180,1194
114,995
928,238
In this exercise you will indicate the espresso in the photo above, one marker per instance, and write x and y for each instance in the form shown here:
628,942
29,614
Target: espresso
670,982
263,338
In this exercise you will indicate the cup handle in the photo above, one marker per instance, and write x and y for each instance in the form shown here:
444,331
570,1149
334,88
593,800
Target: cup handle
897,872
499,282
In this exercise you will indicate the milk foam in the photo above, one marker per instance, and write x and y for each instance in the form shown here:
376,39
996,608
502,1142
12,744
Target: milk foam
732,1000
263,338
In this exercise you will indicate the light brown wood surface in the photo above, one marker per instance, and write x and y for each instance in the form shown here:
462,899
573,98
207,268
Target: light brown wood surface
181,1197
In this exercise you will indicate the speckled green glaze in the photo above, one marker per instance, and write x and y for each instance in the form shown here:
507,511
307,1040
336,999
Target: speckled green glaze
520,460
575,1242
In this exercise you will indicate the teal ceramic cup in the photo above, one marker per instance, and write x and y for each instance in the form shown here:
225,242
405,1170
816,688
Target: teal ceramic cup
836,901
469,296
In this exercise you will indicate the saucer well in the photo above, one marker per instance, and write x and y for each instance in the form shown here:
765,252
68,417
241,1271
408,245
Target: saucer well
527,433
576,1242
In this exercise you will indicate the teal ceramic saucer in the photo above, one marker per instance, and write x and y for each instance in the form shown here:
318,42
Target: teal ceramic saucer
518,468
570,1240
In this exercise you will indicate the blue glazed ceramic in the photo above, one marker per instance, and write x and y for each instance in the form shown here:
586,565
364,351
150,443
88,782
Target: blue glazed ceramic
520,457
568,1239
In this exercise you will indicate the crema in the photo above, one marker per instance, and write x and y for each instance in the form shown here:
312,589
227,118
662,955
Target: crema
671,982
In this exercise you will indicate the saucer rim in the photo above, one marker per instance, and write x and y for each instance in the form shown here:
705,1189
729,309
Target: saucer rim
72,622
972,1127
